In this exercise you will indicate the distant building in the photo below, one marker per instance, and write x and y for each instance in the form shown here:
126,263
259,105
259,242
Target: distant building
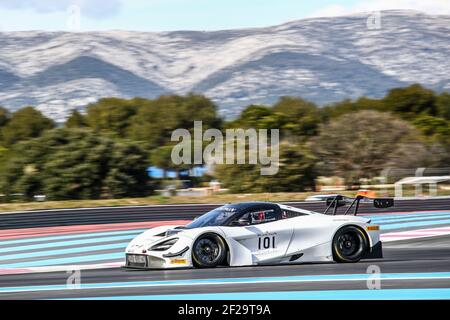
157,173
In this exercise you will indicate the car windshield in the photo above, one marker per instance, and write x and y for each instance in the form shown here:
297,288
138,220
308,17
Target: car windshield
216,217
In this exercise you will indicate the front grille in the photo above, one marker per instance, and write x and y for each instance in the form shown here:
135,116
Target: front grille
132,263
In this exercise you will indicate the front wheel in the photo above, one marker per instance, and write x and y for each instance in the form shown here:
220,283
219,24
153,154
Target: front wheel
349,244
208,251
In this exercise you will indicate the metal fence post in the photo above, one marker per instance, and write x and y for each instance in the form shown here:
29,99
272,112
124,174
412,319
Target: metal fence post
419,189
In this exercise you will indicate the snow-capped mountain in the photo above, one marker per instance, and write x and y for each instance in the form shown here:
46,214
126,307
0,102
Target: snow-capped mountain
319,59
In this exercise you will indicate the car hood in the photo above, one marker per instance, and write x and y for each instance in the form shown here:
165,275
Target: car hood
153,235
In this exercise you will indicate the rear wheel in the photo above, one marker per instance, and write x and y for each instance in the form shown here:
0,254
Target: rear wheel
349,244
208,251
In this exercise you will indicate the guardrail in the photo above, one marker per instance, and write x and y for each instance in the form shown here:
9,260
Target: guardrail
103,215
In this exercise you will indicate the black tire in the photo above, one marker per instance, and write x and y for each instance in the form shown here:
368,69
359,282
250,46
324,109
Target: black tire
208,251
349,244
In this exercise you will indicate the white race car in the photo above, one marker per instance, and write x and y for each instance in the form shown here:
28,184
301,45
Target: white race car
259,233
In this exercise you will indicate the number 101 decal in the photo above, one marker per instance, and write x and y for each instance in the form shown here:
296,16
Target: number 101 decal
266,242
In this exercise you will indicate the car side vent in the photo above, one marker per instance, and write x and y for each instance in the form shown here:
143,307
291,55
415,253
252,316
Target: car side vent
172,232
296,257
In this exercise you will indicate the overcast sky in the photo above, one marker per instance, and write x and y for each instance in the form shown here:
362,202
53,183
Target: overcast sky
167,15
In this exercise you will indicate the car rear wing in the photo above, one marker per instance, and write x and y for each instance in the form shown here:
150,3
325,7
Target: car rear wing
340,201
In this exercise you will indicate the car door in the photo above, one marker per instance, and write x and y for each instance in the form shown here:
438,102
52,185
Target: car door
266,237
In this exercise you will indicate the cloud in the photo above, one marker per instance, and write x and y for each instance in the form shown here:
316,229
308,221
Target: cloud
427,6
91,8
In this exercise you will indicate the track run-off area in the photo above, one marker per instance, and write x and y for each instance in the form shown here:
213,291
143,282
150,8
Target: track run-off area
38,259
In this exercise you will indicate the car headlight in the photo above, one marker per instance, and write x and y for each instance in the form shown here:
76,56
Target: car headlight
165,245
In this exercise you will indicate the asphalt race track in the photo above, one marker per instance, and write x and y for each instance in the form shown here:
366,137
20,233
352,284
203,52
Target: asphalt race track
36,263
415,264
103,215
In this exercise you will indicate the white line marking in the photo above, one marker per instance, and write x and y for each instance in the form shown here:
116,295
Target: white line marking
9,271
97,286
414,234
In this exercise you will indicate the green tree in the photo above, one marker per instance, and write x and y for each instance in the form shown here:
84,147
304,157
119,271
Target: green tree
294,117
5,155
348,106
302,117
296,173
127,174
257,117
443,105
24,124
154,123
161,157
196,107
76,120
76,164
437,134
112,116
5,116
433,127
411,101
